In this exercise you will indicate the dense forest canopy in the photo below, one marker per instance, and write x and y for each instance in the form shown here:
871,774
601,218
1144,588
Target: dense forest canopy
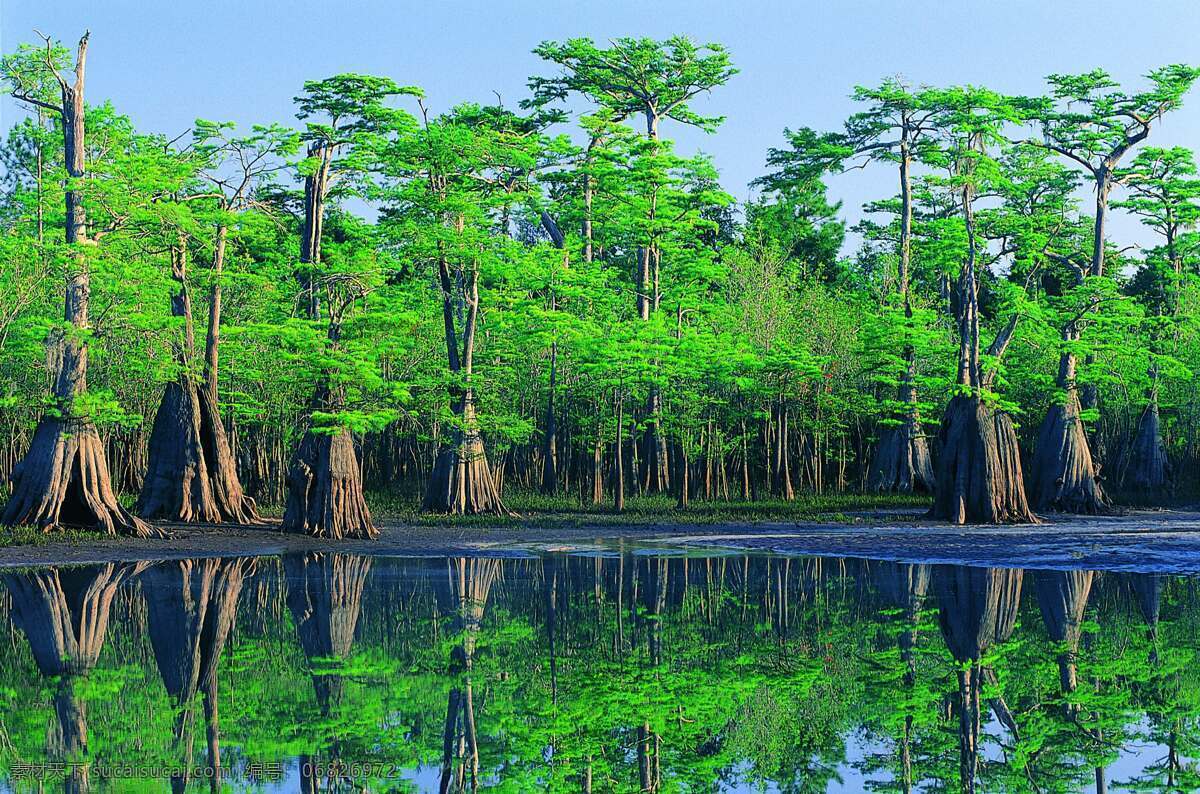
442,305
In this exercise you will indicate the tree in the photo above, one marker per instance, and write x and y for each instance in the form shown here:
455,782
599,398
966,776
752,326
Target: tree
979,470
657,80
325,492
64,478
455,185
192,474
896,129
1090,121
1164,194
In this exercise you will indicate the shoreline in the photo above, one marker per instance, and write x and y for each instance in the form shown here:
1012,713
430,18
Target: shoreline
1138,540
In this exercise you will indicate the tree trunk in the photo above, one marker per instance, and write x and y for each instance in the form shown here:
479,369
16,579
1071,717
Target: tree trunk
1064,477
1148,470
619,486
597,471
781,464
325,496
902,463
682,484
176,486
550,442
325,493
461,482
979,470
233,502
979,477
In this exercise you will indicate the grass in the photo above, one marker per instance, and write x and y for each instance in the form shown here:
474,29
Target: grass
534,509
32,536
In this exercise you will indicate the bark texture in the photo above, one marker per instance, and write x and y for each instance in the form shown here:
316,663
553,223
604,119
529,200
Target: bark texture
1064,477
176,487
902,462
979,470
1147,469
462,481
191,475
64,482
325,494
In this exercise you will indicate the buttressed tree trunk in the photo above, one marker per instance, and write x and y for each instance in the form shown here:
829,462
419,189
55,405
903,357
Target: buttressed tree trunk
64,478
1148,469
1065,479
325,494
902,462
64,614
979,470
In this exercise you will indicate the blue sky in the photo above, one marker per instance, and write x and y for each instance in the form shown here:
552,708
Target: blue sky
166,62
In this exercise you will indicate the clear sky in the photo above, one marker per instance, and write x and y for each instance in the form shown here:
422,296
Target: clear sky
167,62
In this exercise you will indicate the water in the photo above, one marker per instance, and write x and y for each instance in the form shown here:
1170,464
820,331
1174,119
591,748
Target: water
645,671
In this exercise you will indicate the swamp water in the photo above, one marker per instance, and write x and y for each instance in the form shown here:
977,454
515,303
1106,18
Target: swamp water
601,671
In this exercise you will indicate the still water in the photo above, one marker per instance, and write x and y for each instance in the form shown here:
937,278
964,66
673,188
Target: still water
627,672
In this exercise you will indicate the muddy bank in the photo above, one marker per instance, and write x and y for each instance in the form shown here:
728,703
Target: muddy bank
1141,541
1167,541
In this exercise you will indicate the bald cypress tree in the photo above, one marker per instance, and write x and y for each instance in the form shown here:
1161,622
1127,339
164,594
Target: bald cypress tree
64,478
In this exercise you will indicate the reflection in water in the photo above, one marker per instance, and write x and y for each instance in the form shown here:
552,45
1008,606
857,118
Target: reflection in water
324,595
977,608
628,672
188,621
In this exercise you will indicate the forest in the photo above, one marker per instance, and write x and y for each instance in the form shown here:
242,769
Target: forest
392,301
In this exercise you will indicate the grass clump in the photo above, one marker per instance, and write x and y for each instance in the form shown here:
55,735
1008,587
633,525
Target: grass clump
32,536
